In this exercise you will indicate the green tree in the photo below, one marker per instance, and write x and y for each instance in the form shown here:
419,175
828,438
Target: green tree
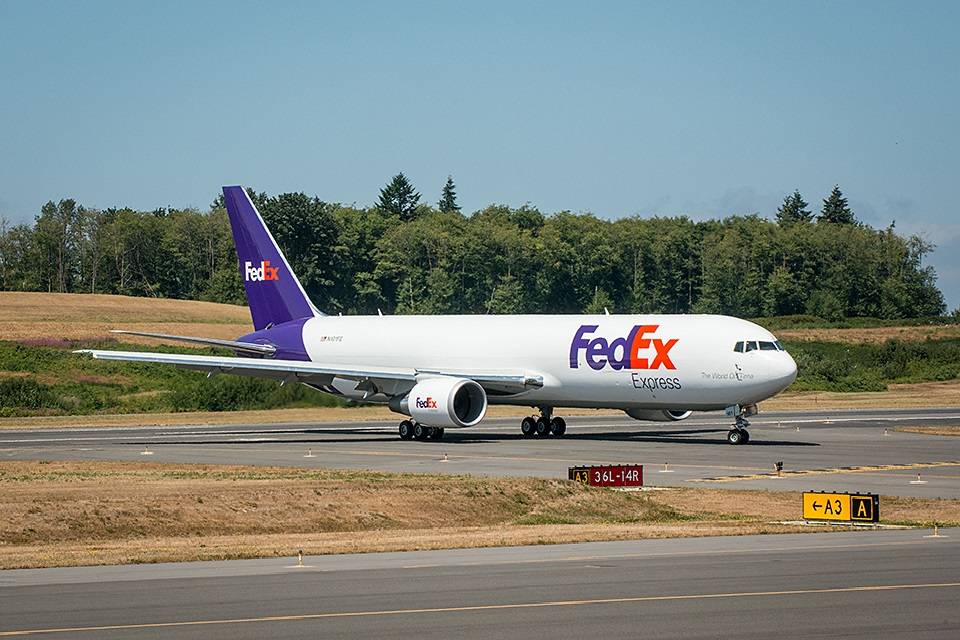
399,198
55,234
793,210
448,199
306,230
507,297
600,303
835,209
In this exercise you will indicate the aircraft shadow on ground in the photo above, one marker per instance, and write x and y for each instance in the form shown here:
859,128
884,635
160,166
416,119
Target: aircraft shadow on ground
687,436
462,437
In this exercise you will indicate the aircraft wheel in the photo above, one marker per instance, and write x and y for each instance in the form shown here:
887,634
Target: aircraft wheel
528,427
746,436
419,432
543,427
438,433
558,426
735,436
406,430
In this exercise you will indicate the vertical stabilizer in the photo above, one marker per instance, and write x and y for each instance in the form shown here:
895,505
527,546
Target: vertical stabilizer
274,294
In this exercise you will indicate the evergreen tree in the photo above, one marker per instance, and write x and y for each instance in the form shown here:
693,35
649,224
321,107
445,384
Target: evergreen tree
399,198
448,200
600,303
835,209
793,210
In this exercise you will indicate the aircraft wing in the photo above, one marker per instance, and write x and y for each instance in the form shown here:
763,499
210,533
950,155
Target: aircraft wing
388,380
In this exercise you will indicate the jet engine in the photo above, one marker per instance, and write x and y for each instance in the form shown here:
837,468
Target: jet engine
444,402
658,415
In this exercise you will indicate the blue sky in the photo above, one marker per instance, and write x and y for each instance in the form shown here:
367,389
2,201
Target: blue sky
703,108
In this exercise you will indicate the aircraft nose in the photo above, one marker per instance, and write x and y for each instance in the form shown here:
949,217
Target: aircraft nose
789,372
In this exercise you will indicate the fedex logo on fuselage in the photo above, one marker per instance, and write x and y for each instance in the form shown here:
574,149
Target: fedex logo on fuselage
261,273
634,351
426,403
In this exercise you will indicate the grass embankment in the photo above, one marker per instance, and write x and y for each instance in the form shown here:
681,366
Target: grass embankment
842,365
81,513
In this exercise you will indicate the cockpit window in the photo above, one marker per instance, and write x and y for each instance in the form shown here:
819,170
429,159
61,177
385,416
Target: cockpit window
751,346
738,347
767,346
779,346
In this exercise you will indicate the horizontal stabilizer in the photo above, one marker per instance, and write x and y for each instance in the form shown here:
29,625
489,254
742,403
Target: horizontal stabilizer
246,347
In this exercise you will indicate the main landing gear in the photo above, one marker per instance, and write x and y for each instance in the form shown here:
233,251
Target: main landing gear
410,430
542,426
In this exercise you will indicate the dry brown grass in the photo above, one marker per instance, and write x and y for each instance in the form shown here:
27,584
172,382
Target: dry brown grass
265,416
924,394
75,513
873,335
927,394
932,431
24,307
67,316
28,315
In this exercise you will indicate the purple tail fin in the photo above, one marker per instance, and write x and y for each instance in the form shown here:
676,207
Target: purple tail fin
274,294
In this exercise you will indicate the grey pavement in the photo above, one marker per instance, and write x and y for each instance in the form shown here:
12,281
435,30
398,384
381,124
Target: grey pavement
853,585
823,446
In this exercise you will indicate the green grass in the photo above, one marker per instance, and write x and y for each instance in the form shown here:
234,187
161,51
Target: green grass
51,380
47,380
832,366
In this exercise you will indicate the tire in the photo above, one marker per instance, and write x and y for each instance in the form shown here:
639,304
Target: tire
438,434
406,430
431,433
735,436
419,432
528,427
746,436
543,428
558,426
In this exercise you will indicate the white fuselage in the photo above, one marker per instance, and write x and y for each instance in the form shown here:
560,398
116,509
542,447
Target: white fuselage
676,362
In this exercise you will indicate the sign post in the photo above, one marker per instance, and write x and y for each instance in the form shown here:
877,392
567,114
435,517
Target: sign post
841,507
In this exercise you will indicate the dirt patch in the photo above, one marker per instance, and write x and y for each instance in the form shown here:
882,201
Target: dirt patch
73,513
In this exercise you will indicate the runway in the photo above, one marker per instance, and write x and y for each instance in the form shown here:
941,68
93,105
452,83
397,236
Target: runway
819,450
865,584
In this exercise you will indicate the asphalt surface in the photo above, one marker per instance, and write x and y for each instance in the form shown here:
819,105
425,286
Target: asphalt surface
819,450
854,585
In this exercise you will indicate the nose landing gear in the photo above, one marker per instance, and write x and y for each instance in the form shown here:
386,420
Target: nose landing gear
738,433
543,426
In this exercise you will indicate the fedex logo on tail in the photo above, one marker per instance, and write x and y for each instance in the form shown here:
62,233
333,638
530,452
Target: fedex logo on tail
634,351
260,273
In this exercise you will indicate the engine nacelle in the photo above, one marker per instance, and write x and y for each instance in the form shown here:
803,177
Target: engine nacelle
444,402
658,415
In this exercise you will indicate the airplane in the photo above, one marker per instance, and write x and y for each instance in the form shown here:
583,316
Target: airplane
443,372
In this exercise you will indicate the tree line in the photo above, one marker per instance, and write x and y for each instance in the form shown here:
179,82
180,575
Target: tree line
402,255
